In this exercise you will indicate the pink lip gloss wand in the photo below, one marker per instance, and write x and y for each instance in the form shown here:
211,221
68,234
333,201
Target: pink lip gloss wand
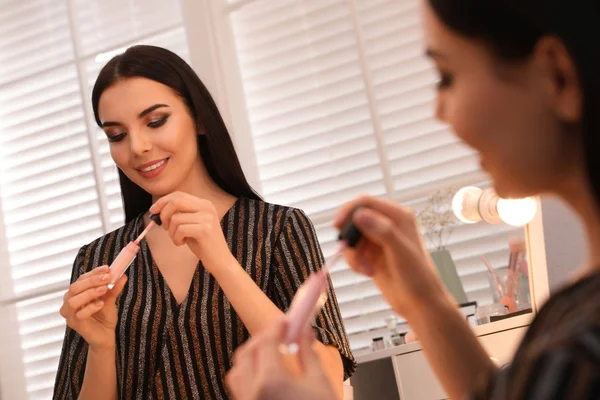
127,255
311,295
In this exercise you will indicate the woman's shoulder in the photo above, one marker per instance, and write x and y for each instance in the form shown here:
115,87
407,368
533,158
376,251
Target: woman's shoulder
570,313
562,344
273,213
575,297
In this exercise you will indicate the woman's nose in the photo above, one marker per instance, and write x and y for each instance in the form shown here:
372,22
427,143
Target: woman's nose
139,143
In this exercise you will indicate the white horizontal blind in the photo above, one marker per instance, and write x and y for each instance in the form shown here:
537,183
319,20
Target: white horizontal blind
52,203
308,110
47,187
323,81
107,25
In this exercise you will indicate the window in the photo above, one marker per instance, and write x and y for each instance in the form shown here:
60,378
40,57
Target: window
58,184
328,99
339,102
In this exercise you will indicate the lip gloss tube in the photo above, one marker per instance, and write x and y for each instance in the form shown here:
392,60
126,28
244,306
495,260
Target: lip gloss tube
122,262
304,306
128,253
311,295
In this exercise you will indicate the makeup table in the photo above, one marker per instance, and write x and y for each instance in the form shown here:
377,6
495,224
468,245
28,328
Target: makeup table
403,373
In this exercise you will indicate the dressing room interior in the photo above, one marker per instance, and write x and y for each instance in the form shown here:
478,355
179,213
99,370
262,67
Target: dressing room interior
293,116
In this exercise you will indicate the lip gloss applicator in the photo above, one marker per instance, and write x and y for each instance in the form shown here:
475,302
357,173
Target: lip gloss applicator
311,295
127,255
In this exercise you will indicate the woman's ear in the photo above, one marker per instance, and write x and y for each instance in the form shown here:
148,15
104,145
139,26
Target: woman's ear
562,79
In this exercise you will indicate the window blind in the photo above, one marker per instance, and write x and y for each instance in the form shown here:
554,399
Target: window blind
306,103
57,179
340,103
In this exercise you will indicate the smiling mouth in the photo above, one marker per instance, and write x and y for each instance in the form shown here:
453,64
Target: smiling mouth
154,166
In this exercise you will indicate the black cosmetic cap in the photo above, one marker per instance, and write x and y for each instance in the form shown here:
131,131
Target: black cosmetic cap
350,233
156,219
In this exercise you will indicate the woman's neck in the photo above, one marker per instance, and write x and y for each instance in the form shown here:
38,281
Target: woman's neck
201,185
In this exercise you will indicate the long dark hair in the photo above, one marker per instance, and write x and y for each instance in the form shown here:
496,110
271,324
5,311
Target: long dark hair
215,145
512,28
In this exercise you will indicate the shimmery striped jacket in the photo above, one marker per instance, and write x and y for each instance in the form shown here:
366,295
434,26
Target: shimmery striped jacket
559,357
166,350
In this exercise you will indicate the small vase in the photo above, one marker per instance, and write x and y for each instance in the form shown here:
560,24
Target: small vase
447,270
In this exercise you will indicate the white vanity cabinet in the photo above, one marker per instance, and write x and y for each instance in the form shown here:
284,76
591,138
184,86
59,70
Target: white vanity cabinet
403,373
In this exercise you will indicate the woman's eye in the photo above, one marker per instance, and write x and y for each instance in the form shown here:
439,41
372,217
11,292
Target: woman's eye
157,123
445,81
117,137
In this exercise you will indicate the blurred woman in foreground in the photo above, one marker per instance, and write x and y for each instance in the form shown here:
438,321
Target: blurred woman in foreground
519,83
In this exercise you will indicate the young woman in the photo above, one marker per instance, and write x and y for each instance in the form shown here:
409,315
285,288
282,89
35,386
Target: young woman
520,83
222,266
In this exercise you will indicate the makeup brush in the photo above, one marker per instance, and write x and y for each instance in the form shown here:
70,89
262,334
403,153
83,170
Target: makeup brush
492,272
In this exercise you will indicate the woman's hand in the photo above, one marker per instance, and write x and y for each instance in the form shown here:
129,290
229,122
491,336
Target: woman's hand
194,221
262,371
90,308
392,252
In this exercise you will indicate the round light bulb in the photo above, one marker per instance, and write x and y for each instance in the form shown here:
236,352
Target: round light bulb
517,212
465,204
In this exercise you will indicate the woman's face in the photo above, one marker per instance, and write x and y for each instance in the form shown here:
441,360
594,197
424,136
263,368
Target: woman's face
153,137
510,113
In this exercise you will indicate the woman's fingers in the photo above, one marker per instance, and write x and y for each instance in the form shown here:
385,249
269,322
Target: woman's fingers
244,350
241,378
358,262
90,281
179,202
80,300
376,227
95,280
89,309
112,295
311,364
181,219
96,271
396,213
270,356
246,362
189,231
167,213
182,232
379,232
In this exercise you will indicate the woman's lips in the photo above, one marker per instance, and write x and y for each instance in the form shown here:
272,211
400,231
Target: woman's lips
154,169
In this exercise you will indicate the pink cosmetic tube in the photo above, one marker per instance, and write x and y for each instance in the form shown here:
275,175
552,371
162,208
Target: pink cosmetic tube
304,307
122,262
311,295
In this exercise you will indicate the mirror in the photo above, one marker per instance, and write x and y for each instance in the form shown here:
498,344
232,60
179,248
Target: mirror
325,100
341,105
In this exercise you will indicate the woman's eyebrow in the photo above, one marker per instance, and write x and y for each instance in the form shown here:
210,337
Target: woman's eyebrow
141,115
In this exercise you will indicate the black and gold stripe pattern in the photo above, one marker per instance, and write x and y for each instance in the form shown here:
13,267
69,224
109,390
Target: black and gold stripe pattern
167,350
